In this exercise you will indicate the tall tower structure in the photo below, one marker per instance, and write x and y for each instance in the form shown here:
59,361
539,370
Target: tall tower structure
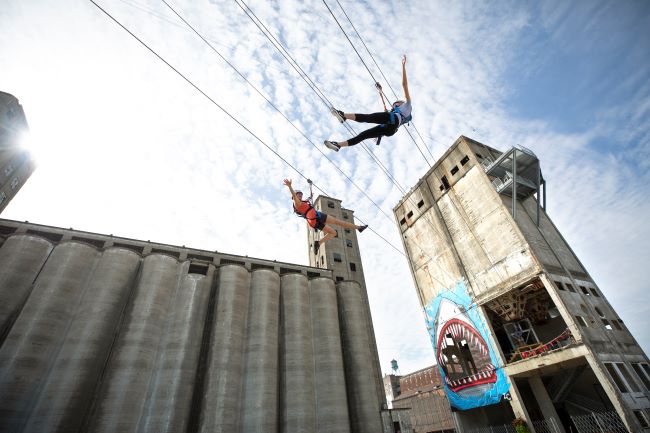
16,164
519,327
343,257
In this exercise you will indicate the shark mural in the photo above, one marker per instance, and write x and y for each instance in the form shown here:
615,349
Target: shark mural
466,360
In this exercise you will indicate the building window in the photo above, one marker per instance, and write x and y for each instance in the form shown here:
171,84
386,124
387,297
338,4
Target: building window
353,267
445,183
347,230
465,160
348,242
595,292
600,313
345,216
628,377
198,268
584,290
479,156
637,367
559,285
643,420
337,257
409,215
570,288
402,221
582,322
339,278
617,325
420,204
607,325
330,205
322,260
616,376
454,170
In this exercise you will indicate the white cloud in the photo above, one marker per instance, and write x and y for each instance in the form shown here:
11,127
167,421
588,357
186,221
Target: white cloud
129,148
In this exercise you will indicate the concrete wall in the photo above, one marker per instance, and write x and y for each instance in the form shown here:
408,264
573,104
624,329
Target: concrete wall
106,339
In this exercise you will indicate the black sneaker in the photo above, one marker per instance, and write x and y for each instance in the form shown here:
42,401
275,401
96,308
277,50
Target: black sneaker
316,247
332,145
338,114
362,228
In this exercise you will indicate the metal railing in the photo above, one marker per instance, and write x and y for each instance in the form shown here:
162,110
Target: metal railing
599,422
503,428
546,426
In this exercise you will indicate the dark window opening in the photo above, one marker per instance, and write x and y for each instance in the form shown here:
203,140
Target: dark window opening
409,215
420,204
284,271
322,260
339,278
595,292
479,156
313,274
454,170
255,266
402,221
584,290
598,310
445,182
570,288
559,285
348,242
330,205
231,262
199,257
337,257
198,268
135,248
644,378
345,216
442,187
607,325
169,253
94,242
641,417
4,230
353,267
465,160
54,237
582,322
618,380
628,377
617,326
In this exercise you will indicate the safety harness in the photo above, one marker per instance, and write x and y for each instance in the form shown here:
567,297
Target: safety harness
310,204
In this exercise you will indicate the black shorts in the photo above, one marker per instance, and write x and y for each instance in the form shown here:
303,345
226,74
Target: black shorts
321,219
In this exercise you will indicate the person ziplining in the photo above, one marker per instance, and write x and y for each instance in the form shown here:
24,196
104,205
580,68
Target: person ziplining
388,121
317,220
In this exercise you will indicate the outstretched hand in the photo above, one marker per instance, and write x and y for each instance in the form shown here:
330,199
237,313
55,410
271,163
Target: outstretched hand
287,182
403,59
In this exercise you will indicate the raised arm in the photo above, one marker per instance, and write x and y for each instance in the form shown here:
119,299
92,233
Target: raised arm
296,200
405,84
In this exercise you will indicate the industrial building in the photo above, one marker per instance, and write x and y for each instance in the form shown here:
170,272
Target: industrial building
16,163
518,326
422,393
106,334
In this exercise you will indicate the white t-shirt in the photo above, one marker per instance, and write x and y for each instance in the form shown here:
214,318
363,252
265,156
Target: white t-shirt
404,110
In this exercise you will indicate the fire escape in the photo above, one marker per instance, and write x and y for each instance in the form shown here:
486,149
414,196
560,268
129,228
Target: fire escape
517,173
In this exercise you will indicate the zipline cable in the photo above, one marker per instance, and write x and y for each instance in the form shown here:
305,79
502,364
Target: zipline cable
292,61
368,69
229,115
268,101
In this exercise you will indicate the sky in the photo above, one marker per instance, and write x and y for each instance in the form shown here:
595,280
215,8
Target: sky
125,146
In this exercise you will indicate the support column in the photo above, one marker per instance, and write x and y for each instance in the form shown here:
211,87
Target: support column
514,184
544,402
518,407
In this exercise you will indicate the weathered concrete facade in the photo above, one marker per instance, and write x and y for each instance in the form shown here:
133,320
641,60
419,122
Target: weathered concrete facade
543,322
16,164
343,256
106,334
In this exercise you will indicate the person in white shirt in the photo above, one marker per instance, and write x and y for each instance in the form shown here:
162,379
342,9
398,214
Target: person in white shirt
388,121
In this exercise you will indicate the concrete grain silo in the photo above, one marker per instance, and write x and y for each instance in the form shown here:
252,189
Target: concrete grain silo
107,334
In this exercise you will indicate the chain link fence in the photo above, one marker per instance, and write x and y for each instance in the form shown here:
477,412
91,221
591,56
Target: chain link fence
601,422
503,428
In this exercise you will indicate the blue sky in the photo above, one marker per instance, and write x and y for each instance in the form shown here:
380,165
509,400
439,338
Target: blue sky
127,147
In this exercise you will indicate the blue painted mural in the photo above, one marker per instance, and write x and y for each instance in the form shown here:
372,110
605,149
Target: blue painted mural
467,362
